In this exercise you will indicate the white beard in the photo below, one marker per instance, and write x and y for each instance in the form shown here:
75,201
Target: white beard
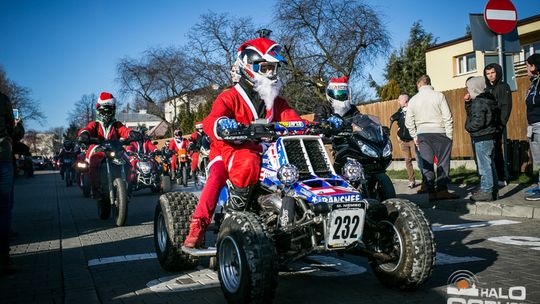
267,89
341,107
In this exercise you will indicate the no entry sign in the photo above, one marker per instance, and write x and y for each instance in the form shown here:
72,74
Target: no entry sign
500,16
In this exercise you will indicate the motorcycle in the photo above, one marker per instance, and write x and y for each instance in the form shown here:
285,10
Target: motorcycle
300,206
165,164
147,173
182,169
368,143
82,167
201,173
112,194
69,172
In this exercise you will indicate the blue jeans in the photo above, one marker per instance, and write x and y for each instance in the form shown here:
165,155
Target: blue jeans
485,159
6,204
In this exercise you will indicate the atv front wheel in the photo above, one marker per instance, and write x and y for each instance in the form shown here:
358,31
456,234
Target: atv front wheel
381,187
247,258
171,227
405,234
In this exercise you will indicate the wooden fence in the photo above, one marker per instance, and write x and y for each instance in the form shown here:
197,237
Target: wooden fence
461,148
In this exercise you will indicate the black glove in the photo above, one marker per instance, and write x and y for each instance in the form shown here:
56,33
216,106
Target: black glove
135,136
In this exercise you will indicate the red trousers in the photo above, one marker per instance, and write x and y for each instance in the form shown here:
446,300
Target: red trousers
217,178
243,166
194,161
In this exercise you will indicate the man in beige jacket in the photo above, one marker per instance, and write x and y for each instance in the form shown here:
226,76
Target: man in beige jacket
429,122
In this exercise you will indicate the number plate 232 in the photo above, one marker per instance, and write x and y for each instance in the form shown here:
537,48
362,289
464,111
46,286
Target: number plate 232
345,227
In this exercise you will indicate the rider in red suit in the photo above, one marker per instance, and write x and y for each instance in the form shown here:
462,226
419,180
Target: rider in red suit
175,145
105,127
255,96
195,142
136,147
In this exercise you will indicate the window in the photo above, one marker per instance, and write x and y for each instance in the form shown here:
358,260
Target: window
466,63
526,51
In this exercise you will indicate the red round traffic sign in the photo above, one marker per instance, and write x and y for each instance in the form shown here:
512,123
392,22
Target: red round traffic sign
500,16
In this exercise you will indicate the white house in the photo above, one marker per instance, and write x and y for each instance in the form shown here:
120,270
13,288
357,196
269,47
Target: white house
138,119
173,106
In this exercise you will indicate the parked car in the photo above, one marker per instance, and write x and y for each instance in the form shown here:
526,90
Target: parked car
39,162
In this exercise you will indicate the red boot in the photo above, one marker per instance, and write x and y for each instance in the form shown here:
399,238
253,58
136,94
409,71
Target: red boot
197,230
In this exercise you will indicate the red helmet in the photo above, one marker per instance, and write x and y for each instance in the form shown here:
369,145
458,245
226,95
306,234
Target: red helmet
259,57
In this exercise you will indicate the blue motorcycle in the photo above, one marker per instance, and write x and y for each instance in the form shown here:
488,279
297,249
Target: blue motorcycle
300,206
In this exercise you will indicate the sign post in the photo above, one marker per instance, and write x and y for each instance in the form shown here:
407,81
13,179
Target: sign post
501,18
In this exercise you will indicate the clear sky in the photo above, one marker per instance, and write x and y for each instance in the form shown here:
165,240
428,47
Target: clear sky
62,49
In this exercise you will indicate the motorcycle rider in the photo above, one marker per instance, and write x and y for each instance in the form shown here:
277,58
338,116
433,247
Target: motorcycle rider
106,127
194,147
339,101
254,96
68,151
143,146
175,145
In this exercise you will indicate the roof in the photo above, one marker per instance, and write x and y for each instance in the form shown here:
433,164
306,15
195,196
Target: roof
469,37
159,130
136,117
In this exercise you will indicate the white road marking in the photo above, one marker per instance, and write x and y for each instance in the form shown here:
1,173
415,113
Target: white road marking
474,225
529,241
446,259
122,258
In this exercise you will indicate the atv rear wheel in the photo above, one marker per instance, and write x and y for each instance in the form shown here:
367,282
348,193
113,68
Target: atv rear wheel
171,227
404,233
247,258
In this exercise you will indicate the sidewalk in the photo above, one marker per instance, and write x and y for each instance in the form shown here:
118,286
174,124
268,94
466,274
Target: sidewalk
512,202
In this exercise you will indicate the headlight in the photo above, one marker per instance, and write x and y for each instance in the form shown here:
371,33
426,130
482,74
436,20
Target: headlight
112,154
82,165
369,151
387,149
288,174
353,170
145,167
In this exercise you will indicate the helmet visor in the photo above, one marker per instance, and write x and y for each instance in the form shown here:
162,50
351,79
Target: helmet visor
266,68
341,95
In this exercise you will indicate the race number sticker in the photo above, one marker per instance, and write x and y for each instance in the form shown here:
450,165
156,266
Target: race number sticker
345,227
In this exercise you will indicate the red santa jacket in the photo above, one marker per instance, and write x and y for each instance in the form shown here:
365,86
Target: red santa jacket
115,131
147,147
234,103
177,144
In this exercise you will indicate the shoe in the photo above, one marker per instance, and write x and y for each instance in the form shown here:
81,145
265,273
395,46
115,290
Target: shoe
482,196
423,189
533,190
533,197
444,195
6,266
197,230
502,184
412,185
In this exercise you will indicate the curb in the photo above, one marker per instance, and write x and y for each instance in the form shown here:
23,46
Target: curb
485,208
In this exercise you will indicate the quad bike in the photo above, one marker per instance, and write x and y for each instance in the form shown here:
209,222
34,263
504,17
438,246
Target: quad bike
147,173
300,206
368,143
182,168
112,194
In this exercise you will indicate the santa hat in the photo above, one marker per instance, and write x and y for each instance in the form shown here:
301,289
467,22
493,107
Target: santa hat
268,49
198,125
105,99
341,81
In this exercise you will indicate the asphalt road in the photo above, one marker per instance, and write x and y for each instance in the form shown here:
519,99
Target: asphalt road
65,254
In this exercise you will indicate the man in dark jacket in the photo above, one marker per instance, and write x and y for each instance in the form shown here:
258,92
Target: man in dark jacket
483,124
10,131
532,100
503,96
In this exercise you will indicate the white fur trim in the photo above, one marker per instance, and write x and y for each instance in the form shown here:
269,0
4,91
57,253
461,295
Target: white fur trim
215,160
229,166
247,101
215,127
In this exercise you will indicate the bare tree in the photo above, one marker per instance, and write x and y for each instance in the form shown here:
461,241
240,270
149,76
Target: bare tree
83,111
214,42
324,39
29,109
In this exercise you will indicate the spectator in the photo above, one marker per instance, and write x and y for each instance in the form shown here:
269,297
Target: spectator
429,121
406,142
503,96
483,124
532,100
10,131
